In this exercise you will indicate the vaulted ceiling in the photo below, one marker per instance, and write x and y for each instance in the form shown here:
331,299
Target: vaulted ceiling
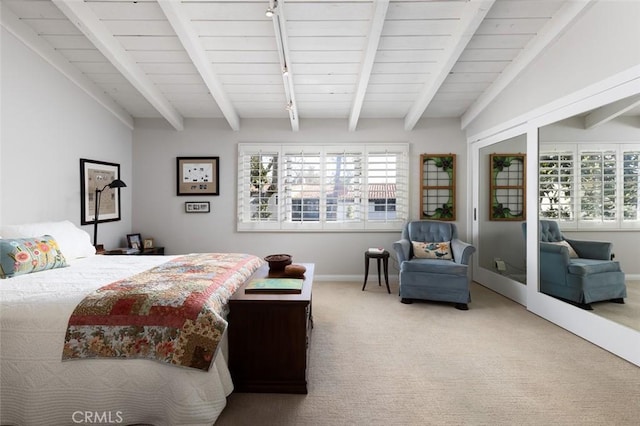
343,59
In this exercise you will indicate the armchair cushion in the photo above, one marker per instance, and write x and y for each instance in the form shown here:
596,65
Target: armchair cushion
586,267
432,250
435,266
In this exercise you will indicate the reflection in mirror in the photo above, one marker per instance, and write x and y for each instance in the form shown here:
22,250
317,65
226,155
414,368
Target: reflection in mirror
501,246
589,171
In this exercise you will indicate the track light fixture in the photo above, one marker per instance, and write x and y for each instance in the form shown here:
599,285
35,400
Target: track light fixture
289,106
285,70
271,10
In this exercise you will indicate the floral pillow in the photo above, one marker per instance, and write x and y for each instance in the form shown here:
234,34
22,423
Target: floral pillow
440,250
20,256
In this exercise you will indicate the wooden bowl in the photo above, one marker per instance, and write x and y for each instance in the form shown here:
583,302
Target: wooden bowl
277,262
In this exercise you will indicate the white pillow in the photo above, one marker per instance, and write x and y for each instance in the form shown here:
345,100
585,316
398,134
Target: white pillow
572,252
73,241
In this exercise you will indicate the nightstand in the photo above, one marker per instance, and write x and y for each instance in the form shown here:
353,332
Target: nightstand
153,251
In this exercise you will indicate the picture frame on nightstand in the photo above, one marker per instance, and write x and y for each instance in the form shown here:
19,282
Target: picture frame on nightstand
134,241
148,243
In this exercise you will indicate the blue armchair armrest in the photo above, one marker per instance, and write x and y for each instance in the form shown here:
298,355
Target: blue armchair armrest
461,251
592,249
403,250
554,260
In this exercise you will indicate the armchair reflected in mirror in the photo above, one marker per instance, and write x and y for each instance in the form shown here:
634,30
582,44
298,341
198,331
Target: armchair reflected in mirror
578,271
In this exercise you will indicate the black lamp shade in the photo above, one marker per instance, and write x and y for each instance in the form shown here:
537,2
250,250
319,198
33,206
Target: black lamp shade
117,183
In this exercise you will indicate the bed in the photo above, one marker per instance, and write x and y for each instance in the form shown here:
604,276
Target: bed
37,387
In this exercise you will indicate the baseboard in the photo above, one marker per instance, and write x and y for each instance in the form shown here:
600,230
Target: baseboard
353,278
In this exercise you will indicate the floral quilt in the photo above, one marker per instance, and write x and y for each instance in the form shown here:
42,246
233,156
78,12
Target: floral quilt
173,313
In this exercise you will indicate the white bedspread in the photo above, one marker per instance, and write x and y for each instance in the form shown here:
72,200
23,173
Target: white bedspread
37,388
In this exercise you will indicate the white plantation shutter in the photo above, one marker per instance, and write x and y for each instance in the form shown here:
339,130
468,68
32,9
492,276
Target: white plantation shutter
323,187
590,186
387,186
343,183
557,184
302,176
258,187
631,186
598,203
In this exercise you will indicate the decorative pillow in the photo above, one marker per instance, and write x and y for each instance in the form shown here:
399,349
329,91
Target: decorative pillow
72,241
427,250
26,255
572,252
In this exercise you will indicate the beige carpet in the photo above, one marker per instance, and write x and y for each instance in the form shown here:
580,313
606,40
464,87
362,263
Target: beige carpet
627,314
375,361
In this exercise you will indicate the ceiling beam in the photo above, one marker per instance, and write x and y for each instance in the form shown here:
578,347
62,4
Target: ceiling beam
377,23
550,32
472,16
280,30
190,41
81,15
29,37
609,112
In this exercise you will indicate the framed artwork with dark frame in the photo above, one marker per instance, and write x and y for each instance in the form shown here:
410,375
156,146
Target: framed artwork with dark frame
96,174
198,175
134,241
197,207
438,186
508,187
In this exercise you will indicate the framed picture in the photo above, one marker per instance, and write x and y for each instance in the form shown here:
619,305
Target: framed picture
98,175
134,241
508,187
438,186
197,207
198,175
148,243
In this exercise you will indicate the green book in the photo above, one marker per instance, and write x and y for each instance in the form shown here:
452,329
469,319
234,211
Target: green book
275,285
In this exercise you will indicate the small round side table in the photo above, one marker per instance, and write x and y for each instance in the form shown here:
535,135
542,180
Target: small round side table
384,257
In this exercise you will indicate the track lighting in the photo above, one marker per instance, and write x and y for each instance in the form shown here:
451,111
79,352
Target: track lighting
285,70
289,106
271,10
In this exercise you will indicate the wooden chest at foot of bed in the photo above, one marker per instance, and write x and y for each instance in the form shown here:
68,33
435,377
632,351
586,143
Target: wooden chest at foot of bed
269,337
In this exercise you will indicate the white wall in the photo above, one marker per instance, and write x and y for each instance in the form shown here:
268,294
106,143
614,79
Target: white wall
48,124
159,212
604,41
622,129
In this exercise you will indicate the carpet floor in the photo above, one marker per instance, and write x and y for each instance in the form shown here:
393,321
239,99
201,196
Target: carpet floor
376,361
627,314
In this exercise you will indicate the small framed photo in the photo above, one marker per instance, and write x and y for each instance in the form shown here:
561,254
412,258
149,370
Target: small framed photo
197,207
148,243
134,241
198,175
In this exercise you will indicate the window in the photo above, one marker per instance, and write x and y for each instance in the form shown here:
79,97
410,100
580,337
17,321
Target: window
589,185
322,187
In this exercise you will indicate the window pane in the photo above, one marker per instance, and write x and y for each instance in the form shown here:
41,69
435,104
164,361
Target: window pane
343,183
556,186
263,187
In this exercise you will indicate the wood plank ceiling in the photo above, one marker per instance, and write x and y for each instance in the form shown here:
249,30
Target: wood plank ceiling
344,59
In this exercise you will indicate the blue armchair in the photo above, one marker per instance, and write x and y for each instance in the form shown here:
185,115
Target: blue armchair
580,272
434,263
